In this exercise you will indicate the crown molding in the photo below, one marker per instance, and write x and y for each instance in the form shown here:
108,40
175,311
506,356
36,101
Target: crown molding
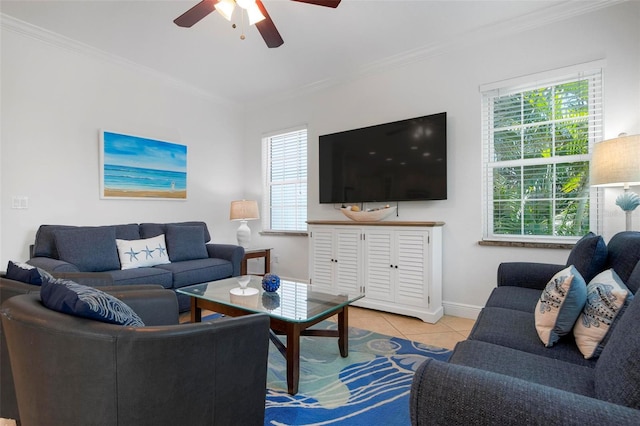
553,14
54,39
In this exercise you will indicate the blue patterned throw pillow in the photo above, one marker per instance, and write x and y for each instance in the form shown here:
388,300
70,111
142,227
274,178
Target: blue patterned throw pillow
26,273
75,299
560,304
607,298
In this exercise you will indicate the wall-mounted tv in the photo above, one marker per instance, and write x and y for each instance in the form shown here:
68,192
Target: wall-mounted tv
400,161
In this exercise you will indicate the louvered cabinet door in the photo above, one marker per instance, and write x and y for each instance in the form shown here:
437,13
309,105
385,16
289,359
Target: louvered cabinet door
347,264
412,260
379,272
321,258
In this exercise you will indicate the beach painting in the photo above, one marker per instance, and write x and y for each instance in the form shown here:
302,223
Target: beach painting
136,167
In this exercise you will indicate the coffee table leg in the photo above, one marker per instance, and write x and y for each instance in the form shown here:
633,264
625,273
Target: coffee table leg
196,312
343,332
293,358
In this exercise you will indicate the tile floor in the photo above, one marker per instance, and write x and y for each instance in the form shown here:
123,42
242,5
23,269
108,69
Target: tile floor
445,333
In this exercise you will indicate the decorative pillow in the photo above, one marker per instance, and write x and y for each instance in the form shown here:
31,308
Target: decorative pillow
140,253
560,304
186,243
607,298
75,299
90,249
26,273
589,256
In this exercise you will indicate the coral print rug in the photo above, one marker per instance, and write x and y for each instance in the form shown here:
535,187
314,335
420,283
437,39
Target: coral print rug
369,387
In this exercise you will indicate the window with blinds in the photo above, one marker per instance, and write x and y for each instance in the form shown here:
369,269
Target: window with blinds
537,140
286,181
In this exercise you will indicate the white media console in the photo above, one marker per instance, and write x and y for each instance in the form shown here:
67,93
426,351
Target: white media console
397,265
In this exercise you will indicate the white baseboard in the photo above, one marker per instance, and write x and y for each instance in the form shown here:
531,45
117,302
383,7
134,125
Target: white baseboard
461,310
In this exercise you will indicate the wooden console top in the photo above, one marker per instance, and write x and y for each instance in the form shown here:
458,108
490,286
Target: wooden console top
380,223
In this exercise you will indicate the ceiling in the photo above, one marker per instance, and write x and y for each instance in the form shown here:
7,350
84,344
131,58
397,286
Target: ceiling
321,45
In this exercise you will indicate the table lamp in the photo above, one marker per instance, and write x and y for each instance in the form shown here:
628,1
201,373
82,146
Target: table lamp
616,162
244,210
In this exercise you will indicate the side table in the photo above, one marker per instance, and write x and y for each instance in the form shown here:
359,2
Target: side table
255,254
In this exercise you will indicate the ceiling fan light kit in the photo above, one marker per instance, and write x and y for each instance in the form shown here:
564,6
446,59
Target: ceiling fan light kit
256,13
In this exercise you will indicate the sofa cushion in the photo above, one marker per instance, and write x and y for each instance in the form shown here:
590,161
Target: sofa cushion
617,373
197,271
511,297
589,256
607,299
45,244
88,302
560,304
517,330
91,249
186,243
150,275
148,230
26,273
624,253
526,366
143,252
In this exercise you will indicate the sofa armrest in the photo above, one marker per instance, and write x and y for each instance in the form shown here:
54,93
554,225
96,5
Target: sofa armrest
155,306
451,394
527,274
229,252
52,265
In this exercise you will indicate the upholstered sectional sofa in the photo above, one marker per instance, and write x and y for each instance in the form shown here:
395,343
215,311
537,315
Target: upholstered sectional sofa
503,374
173,255
74,369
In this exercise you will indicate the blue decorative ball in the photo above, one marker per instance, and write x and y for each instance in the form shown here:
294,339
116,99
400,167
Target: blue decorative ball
270,282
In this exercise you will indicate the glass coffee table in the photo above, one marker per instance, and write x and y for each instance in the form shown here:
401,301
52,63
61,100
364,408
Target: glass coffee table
292,309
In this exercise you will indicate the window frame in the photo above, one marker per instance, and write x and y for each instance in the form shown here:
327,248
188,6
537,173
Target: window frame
267,162
594,71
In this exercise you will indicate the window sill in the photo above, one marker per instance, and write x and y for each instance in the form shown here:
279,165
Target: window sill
526,244
285,233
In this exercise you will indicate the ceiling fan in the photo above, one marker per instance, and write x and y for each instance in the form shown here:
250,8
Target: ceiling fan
255,10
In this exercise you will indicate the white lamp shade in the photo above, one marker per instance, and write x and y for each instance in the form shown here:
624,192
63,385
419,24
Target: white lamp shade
616,162
244,210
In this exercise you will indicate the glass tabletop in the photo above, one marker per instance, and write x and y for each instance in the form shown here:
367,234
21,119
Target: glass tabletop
293,301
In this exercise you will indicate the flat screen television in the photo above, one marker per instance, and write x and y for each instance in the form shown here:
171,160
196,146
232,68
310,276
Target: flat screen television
400,161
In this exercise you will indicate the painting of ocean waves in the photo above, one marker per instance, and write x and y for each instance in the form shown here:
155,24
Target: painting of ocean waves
136,178
136,167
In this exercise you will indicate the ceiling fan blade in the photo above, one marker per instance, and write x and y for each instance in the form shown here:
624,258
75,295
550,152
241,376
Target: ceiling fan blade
267,28
196,13
325,3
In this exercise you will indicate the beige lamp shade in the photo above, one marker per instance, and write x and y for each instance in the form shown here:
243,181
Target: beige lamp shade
616,162
244,210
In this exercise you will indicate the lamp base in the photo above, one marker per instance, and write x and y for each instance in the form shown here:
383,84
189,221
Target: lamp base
628,201
244,234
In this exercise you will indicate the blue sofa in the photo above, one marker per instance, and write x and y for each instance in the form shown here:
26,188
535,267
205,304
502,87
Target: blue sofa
190,256
504,375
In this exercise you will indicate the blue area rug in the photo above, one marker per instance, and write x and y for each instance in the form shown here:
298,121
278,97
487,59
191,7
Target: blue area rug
369,387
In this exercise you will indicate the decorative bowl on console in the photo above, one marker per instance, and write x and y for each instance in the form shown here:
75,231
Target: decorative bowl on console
368,216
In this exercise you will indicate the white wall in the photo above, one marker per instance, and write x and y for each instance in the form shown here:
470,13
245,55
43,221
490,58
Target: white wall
450,82
55,99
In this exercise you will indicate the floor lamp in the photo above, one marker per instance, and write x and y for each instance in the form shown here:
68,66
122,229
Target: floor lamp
244,210
616,162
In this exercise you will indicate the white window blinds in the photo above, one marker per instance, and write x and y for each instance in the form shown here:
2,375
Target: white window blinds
537,140
286,181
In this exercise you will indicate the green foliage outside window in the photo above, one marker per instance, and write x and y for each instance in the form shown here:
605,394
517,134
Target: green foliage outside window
539,175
